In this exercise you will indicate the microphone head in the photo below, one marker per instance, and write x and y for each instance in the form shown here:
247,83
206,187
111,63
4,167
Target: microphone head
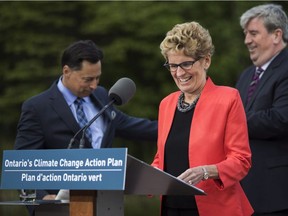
122,91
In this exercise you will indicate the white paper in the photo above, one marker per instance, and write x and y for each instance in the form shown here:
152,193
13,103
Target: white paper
63,195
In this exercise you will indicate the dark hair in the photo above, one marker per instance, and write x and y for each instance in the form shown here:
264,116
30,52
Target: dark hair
76,53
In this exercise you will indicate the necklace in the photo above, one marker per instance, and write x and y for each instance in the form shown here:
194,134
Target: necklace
182,106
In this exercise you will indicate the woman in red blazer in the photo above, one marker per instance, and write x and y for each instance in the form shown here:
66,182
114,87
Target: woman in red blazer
202,131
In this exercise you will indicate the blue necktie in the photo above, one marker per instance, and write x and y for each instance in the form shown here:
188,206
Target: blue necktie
81,117
253,84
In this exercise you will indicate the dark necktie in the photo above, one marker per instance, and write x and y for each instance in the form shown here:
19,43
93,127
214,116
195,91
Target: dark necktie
81,117
253,84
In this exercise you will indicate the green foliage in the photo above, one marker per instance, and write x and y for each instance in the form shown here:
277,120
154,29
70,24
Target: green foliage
34,34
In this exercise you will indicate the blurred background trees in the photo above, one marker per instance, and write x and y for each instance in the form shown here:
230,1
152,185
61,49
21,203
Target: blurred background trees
34,34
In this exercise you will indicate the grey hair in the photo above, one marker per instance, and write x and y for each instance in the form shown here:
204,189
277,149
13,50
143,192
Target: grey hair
272,15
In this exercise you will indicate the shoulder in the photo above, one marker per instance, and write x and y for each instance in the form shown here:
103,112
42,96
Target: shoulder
225,90
225,93
280,62
219,94
213,89
43,97
246,73
172,97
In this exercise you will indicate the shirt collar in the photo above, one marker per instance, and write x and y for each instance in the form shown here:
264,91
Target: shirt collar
265,66
68,95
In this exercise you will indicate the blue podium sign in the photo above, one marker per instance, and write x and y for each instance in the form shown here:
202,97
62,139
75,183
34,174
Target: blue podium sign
76,169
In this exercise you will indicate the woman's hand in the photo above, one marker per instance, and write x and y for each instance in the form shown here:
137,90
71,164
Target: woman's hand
196,174
192,176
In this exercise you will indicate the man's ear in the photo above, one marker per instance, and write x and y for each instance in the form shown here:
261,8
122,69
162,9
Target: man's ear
277,36
66,70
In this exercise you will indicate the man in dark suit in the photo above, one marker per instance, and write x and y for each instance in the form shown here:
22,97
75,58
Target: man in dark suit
265,97
49,120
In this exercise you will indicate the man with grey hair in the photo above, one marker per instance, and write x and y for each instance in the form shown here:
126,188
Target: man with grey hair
264,92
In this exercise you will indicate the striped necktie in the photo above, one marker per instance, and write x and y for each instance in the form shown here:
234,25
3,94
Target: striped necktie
253,84
81,117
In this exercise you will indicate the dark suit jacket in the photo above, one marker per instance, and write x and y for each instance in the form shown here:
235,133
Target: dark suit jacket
47,122
266,184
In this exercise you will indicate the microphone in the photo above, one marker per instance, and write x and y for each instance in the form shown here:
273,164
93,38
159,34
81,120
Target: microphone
120,93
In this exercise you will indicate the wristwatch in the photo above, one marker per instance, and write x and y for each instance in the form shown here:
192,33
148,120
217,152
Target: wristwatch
205,174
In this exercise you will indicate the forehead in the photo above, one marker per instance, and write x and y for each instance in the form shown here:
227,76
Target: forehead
89,68
88,65
175,54
255,24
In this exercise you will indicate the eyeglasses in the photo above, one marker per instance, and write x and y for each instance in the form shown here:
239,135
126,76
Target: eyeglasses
187,65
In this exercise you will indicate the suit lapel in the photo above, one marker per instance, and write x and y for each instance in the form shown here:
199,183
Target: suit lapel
265,78
100,99
244,82
100,106
247,85
61,107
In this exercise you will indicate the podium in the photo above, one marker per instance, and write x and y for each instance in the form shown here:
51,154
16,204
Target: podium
140,179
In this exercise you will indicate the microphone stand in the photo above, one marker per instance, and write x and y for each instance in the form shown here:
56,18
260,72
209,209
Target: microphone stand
83,129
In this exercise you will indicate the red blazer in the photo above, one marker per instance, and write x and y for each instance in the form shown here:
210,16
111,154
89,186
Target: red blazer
218,136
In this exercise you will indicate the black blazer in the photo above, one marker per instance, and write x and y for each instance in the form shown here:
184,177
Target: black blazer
47,122
267,116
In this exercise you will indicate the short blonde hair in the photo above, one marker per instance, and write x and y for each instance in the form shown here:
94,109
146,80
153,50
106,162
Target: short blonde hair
191,37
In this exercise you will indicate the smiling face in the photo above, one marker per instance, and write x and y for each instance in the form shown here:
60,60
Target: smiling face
192,81
82,82
261,44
